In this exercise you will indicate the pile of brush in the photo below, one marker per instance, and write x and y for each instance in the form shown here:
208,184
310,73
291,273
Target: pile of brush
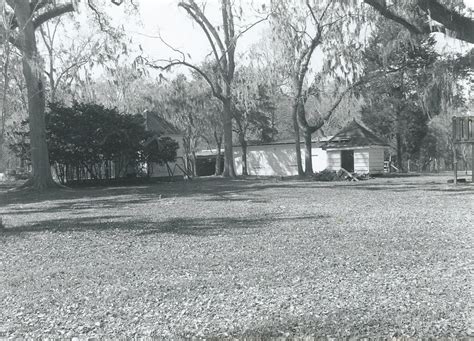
340,175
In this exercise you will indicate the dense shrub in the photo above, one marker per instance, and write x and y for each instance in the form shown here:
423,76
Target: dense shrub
90,141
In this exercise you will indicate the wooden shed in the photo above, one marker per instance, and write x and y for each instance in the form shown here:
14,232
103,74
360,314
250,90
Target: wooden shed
356,149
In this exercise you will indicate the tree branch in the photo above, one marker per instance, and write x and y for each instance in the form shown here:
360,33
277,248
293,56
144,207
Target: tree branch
9,18
97,15
171,47
316,21
453,21
215,92
325,10
331,110
228,23
45,40
193,15
305,58
36,5
461,26
194,7
76,64
251,26
381,7
52,13
7,36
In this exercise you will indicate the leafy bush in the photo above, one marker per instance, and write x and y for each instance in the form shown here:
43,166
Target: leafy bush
92,141
161,150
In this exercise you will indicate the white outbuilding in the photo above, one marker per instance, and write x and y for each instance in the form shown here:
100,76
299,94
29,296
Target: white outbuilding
278,158
356,149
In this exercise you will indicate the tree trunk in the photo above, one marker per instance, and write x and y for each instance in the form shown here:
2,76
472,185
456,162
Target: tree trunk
296,128
149,169
6,81
52,84
193,161
218,170
243,144
186,158
399,152
228,150
33,73
308,153
6,84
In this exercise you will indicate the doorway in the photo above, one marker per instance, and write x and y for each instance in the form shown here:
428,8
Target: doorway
347,160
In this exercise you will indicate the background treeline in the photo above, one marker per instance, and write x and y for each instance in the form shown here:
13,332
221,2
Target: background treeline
319,64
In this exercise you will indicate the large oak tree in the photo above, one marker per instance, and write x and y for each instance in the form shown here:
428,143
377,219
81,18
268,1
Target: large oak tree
28,17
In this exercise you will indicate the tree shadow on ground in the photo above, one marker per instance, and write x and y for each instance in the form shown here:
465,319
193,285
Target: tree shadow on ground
143,227
217,226
93,223
319,327
217,189
82,204
8,185
221,189
414,187
236,197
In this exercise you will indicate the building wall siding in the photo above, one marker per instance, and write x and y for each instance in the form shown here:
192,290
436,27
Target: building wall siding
361,160
376,160
333,160
280,160
276,160
320,159
366,160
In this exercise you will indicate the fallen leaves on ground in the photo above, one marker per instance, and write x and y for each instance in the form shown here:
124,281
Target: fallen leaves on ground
219,258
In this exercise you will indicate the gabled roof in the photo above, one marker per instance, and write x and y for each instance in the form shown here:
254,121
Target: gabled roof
354,135
158,125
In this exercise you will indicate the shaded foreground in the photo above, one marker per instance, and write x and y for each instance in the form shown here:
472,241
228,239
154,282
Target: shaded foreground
217,258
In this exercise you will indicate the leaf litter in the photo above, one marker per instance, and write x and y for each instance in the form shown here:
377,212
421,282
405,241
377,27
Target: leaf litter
217,258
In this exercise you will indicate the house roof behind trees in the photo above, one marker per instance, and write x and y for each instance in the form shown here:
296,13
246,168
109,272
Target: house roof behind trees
158,125
315,141
354,135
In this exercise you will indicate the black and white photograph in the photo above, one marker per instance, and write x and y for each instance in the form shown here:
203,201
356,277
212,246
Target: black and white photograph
236,170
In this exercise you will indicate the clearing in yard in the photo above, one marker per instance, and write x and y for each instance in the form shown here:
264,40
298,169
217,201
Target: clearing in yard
244,258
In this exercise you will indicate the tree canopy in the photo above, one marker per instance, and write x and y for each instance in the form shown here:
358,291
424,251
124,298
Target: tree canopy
317,65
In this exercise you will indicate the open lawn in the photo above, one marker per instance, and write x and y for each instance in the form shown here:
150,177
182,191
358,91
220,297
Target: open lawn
244,258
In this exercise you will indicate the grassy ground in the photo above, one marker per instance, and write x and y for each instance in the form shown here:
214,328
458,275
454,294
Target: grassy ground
255,258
